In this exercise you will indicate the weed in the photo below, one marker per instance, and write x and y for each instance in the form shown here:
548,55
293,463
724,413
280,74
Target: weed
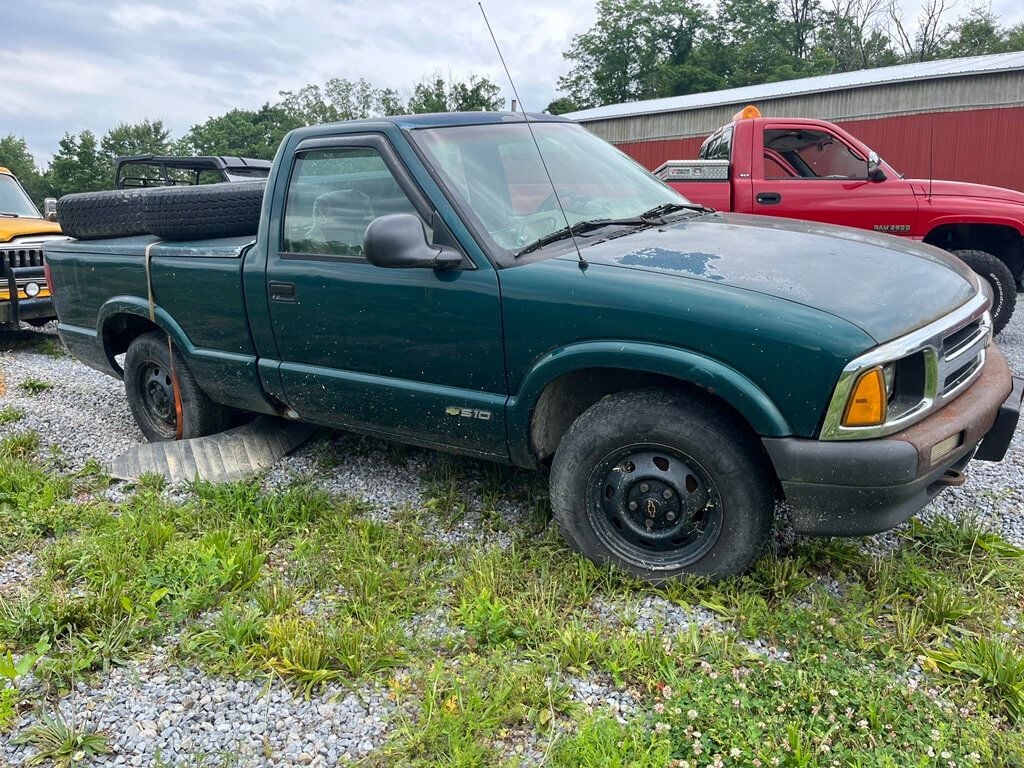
9,415
996,666
62,743
33,386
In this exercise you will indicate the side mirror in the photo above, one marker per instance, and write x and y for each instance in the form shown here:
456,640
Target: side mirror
875,172
50,209
399,240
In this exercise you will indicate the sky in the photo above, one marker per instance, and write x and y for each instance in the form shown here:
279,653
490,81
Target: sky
69,65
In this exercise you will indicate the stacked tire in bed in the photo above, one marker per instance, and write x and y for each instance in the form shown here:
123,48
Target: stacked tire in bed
170,213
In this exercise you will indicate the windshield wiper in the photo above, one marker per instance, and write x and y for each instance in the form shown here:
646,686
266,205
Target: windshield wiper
579,228
665,208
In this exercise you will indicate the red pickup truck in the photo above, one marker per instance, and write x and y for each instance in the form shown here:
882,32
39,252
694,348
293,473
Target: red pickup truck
814,170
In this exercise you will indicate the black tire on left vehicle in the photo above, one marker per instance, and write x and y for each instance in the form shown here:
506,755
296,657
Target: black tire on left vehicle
663,484
149,386
204,211
999,279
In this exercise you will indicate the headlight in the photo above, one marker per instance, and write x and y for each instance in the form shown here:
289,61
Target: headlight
32,290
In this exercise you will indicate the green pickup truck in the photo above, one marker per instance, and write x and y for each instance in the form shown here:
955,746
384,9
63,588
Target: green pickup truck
678,371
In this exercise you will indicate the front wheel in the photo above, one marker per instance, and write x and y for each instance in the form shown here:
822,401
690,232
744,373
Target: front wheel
1000,282
662,485
149,384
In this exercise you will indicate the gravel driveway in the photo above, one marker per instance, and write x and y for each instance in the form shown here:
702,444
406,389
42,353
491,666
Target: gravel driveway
157,711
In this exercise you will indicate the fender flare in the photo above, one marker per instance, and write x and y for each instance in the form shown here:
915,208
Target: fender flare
975,219
133,305
749,400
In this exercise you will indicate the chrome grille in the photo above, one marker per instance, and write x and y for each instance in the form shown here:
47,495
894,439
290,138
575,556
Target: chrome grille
20,257
953,350
962,355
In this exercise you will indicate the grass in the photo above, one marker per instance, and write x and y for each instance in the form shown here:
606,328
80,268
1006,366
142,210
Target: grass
892,661
33,386
9,415
62,743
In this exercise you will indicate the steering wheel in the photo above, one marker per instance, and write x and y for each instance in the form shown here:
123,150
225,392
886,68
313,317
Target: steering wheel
568,197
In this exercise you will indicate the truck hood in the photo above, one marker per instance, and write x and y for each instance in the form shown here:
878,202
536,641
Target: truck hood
964,189
12,228
885,286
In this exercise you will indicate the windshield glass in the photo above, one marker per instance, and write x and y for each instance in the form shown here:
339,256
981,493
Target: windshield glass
498,176
13,199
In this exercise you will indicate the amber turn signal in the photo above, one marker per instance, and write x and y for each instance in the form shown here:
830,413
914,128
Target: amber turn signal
867,404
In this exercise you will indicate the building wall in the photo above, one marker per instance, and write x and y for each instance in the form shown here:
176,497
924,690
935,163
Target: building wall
965,128
981,146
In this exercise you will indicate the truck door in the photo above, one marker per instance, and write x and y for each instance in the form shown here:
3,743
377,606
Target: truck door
809,172
413,353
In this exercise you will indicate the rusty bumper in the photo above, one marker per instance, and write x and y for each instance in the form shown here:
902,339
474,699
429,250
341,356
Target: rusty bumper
857,488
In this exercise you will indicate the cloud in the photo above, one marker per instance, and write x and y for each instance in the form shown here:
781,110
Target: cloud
70,65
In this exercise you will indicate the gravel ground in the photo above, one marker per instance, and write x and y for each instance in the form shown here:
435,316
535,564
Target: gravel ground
153,708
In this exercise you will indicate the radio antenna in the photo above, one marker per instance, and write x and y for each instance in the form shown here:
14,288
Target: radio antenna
529,126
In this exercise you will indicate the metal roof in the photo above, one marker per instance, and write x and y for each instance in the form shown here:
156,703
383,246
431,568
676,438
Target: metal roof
925,70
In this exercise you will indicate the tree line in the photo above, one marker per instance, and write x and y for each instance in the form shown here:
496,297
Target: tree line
647,49
636,49
84,162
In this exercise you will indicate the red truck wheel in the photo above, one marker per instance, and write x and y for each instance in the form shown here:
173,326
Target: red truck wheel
662,485
999,279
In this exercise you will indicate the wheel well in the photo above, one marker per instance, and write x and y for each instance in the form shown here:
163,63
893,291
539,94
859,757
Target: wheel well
568,396
120,331
1005,243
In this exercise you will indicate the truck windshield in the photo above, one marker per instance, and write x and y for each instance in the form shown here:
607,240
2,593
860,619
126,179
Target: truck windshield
496,173
14,201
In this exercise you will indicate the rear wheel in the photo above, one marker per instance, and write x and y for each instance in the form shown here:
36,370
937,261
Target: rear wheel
1000,281
149,384
662,485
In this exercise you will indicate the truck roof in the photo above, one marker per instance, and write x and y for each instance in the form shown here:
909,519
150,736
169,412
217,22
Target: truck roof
433,120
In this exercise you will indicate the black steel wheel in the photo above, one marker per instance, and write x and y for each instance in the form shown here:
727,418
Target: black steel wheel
654,503
663,484
149,384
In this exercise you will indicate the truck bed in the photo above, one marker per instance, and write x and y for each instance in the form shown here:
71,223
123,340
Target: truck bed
197,290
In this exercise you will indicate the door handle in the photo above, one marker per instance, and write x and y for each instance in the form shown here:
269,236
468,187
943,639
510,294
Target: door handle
769,198
282,292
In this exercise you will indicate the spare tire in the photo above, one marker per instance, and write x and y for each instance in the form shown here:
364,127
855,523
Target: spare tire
93,215
204,211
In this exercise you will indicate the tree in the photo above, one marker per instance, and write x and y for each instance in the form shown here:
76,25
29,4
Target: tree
635,48
561,105
78,166
339,99
473,94
241,132
975,34
147,137
925,41
16,157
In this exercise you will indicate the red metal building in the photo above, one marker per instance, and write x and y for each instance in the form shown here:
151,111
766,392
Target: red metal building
960,119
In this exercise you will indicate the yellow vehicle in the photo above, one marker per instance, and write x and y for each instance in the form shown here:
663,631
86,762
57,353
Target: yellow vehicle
24,292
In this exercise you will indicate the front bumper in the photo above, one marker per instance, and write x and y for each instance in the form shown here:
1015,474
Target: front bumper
18,307
857,488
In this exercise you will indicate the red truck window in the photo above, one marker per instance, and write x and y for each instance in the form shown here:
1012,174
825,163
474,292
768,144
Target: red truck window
809,155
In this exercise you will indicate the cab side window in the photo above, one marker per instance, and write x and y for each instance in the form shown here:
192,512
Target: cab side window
718,146
333,196
804,154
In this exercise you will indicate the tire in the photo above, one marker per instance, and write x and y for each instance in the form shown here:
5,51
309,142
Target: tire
680,459
999,279
147,382
95,215
204,211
